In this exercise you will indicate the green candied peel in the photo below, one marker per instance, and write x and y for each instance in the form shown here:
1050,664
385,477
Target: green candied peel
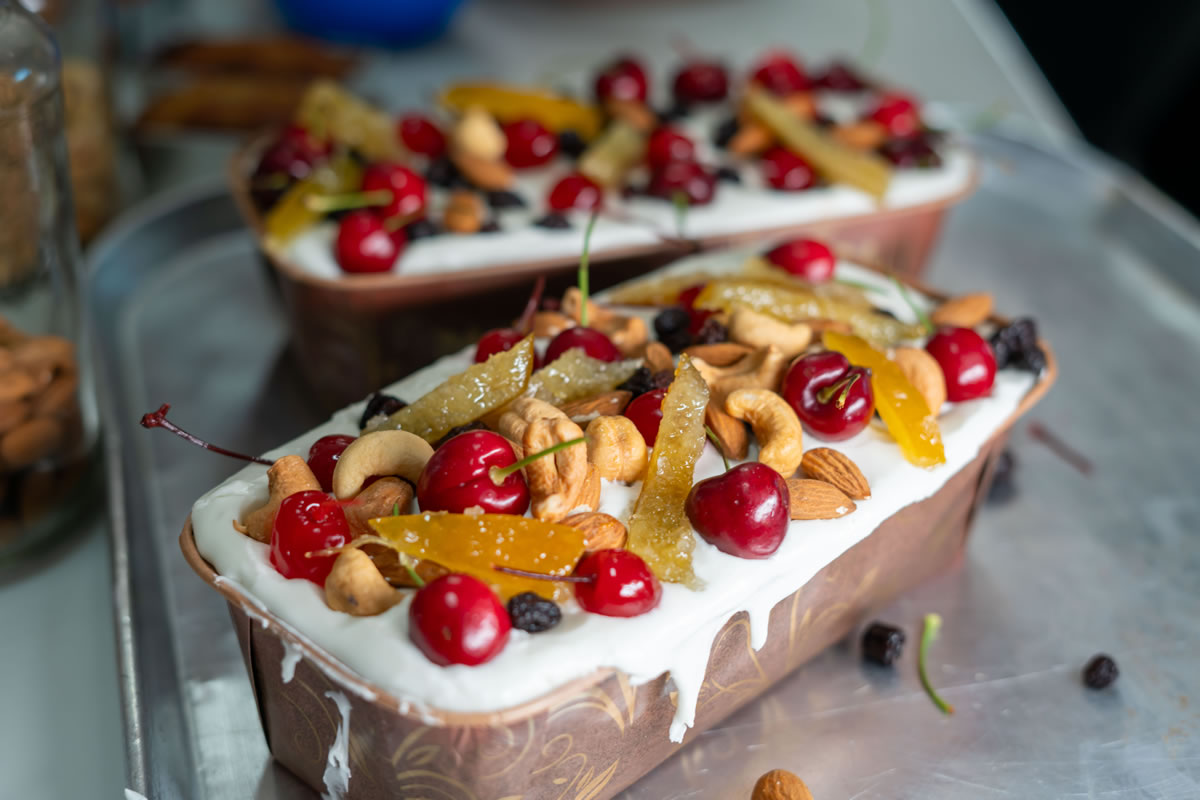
933,624
575,375
659,529
467,396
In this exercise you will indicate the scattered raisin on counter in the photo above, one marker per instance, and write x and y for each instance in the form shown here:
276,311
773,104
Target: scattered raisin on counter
379,404
713,331
671,325
503,198
421,228
1100,672
571,144
882,644
450,434
553,220
724,132
640,382
533,613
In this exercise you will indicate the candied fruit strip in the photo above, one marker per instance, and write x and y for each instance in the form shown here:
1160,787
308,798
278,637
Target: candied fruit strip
796,304
659,529
330,111
661,291
835,161
467,396
901,406
619,149
514,103
575,375
292,214
477,543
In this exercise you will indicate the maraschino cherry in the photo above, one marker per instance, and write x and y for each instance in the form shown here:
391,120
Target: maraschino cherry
499,340
591,341
456,619
743,512
685,179
623,79
840,77
305,523
420,135
780,73
701,81
323,457
530,144
407,189
645,411
967,362
667,144
620,584
833,400
458,476
785,170
898,114
808,259
365,245
294,153
575,191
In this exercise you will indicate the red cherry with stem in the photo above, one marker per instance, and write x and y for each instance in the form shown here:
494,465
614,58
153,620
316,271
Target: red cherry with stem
530,143
305,523
420,135
456,619
785,170
840,77
620,585
294,153
575,191
323,457
700,81
898,114
645,411
833,400
967,362
805,258
589,340
365,245
623,79
667,144
743,512
780,73
407,188
498,340
685,179
458,476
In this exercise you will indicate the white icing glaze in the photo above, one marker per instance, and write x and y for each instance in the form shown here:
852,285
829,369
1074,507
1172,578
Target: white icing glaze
287,664
674,638
337,762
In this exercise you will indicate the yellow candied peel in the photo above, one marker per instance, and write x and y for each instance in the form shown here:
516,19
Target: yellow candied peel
659,529
291,214
575,375
512,103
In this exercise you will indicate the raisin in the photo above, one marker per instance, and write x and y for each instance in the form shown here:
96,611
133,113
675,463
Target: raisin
421,228
442,172
882,644
663,378
503,198
533,613
491,226
724,132
1002,350
554,221
639,382
571,144
1100,672
713,331
729,175
455,431
1033,359
380,404
671,325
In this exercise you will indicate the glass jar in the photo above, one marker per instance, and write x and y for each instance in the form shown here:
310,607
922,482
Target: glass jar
48,417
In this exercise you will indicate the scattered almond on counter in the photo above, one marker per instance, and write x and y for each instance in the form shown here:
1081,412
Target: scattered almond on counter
966,311
836,468
779,784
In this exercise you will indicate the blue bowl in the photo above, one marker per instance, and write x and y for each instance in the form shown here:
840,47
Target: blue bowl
390,23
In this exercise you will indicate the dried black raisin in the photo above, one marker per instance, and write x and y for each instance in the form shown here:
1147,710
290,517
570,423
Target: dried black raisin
503,198
1033,359
671,326
533,613
640,382
379,404
421,228
491,226
725,131
455,431
442,172
713,331
663,378
882,643
1100,672
554,221
728,174
571,144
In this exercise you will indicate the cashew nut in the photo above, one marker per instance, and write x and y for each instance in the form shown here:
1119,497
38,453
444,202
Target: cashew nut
555,481
616,448
285,477
628,333
397,453
382,498
747,326
775,424
356,586
762,369
547,324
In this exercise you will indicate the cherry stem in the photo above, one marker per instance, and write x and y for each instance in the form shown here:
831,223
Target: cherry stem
325,203
500,474
842,386
712,437
926,323
933,623
158,419
539,576
682,203
583,269
398,221
860,285
525,322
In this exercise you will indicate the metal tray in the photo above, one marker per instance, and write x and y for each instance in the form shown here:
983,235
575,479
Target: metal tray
1070,563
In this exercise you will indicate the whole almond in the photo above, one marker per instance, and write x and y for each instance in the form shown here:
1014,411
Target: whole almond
634,112
598,405
464,213
810,499
600,531
658,358
924,373
966,311
730,432
835,467
779,784
719,354
483,174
